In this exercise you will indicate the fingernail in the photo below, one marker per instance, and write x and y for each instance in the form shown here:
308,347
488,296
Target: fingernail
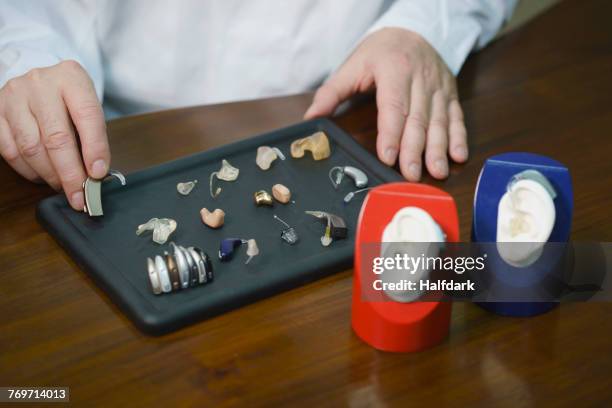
77,200
99,169
390,155
442,167
309,111
414,171
461,152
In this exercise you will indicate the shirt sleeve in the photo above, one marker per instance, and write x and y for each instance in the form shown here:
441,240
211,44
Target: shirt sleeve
35,34
452,27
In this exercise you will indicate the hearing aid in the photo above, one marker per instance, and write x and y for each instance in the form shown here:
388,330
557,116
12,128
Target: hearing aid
182,265
266,155
336,174
154,277
194,272
92,190
317,144
227,172
263,199
335,228
206,263
186,267
288,234
162,229
228,246
184,188
162,271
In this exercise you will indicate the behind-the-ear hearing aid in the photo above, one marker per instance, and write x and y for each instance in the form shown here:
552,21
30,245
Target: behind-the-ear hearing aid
92,189
335,228
336,174
228,247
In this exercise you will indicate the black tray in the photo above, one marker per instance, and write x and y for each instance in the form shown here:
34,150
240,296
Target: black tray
108,249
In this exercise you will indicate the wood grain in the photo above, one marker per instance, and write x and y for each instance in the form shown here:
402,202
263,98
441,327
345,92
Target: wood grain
544,88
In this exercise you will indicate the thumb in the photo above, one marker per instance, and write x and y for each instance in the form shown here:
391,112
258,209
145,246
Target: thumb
338,88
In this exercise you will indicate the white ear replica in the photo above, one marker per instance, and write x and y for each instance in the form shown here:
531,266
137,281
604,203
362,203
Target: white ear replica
525,218
412,232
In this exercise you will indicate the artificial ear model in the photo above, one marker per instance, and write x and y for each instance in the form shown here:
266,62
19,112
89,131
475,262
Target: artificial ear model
412,232
525,218
410,219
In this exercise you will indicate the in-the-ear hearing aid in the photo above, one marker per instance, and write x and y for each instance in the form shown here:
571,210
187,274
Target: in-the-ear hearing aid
263,198
92,189
336,174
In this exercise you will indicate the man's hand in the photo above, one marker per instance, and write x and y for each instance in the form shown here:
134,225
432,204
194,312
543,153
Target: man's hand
37,136
416,96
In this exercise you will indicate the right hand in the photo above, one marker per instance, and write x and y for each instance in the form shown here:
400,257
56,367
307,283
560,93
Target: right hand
40,114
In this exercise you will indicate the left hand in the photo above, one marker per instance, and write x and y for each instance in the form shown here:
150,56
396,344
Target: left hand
416,96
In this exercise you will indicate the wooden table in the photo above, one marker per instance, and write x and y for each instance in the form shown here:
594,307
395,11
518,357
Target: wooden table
545,88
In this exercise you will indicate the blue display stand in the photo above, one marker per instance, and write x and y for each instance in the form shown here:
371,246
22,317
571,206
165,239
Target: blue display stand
492,184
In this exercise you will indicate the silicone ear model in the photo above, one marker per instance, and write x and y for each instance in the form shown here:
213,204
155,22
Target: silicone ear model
318,144
413,232
266,155
525,218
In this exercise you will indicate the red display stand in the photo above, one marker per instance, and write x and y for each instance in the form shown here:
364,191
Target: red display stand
389,325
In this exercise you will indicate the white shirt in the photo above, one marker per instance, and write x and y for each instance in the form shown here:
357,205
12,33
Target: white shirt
153,54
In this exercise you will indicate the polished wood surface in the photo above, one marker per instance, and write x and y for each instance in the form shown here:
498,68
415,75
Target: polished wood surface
545,88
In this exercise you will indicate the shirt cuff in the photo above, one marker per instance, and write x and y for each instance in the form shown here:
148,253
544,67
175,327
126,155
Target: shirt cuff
18,59
453,40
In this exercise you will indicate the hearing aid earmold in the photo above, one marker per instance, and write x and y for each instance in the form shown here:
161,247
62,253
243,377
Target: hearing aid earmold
214,219
266,155
317,144
162,229
227,172
184,188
